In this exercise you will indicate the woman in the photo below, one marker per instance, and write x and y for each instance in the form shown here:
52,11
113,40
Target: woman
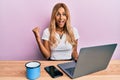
59,39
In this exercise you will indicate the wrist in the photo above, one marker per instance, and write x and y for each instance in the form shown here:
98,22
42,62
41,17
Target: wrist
37,35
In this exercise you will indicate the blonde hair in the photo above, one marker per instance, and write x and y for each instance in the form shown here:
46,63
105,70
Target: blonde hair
68,29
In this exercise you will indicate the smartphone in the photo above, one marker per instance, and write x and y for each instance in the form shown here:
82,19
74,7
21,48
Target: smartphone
53,71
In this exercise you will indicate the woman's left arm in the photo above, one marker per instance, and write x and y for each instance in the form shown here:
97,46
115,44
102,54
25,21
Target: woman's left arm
75,53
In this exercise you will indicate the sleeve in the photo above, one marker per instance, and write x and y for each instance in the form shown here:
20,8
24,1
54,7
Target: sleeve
76,34
46,34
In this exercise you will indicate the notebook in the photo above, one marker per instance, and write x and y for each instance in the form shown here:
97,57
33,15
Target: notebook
91,59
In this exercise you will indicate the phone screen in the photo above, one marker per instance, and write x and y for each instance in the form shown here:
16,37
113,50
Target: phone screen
53,71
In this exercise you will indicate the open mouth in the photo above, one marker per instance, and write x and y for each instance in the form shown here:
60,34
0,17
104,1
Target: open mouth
61,22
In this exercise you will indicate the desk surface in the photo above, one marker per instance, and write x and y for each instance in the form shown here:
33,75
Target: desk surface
15,70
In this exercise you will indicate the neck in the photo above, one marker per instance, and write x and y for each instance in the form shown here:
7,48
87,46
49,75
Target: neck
60,29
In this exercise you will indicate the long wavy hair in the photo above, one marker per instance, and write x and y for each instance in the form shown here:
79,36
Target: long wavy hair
67,27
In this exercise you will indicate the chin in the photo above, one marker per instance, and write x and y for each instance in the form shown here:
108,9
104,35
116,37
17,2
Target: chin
61,26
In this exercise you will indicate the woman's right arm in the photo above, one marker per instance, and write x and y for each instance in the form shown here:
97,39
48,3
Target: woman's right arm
44,47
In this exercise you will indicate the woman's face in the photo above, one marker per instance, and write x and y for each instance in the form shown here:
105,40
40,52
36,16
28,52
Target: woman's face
60,17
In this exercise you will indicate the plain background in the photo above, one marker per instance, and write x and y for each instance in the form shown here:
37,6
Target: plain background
98,23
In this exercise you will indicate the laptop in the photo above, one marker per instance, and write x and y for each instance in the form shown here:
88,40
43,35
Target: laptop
91,59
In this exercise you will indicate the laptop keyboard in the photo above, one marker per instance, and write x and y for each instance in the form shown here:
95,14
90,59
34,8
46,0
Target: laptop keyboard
70,70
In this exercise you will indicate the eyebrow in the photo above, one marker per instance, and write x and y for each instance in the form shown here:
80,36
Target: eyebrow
62,12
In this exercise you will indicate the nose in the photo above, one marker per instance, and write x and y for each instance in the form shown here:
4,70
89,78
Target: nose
61,16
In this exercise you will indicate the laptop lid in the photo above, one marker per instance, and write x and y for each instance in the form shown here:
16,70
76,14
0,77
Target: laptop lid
93,59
